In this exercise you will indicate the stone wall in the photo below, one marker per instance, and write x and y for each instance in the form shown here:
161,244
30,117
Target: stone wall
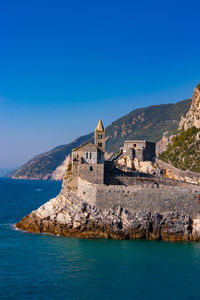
178,174
87,191
181,198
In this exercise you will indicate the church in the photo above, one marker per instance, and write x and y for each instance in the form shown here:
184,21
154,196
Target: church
88,159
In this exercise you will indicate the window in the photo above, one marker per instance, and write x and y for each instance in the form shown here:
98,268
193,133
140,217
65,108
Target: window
91,168
134,145
90,155
99,144
86,155
77,156
99,136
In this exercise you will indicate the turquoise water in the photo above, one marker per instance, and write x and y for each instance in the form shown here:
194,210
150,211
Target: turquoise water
34,266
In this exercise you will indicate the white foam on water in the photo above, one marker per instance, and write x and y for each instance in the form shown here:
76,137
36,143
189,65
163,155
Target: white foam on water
15,228
7,224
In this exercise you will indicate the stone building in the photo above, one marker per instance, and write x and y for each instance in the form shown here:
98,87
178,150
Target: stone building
140,149
88,159
136,152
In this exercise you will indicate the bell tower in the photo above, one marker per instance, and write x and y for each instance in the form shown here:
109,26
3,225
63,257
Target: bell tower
100,136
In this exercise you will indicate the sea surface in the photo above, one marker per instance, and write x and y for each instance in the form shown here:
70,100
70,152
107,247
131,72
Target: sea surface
36,266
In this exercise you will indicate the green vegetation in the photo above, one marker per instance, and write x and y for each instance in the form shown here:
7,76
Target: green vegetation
198,86
184,151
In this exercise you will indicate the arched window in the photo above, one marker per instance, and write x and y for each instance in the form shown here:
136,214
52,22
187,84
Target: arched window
86,155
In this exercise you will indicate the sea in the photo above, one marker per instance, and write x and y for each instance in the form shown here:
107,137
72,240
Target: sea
38,266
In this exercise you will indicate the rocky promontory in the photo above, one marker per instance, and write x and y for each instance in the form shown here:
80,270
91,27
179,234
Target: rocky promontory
68,215
192,117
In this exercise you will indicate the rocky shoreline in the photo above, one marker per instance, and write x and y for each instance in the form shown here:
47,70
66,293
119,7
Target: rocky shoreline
68,215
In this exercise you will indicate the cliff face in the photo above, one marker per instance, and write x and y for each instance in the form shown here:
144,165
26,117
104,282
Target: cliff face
161,145
60,170
192,118
145,123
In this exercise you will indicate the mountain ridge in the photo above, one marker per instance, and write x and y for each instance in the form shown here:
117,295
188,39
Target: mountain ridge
143,123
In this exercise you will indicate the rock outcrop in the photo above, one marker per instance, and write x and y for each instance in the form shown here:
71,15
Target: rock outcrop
161,145
192,117
60,170
68,215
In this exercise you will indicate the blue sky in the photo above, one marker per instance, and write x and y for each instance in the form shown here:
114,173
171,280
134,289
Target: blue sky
65,64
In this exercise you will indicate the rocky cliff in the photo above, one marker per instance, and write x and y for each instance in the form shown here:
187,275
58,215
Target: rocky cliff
192,117
69,215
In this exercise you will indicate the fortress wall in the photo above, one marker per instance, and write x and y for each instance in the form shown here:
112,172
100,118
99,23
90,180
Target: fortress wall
165,199
137,198
87,191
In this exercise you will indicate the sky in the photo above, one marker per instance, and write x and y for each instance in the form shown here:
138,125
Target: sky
65,64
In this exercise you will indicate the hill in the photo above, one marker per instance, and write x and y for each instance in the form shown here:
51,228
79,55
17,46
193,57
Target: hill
42,166
144,123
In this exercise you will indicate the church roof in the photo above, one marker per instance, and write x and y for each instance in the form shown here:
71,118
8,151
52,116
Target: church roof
88,143
100,126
